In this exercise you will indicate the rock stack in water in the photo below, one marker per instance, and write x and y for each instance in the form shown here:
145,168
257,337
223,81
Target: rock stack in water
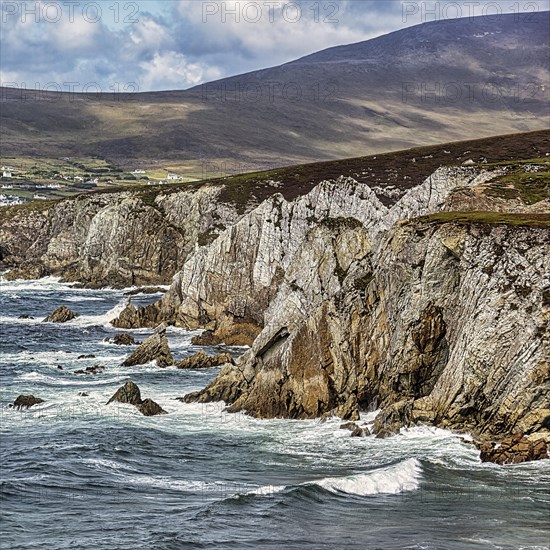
154,348
131,394
61,315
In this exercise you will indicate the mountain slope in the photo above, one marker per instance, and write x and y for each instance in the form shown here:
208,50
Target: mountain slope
432,83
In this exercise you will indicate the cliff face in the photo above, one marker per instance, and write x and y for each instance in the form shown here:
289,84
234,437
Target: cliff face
436,320
115,239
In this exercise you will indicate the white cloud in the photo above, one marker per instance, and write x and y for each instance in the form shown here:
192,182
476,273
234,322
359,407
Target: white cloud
172,70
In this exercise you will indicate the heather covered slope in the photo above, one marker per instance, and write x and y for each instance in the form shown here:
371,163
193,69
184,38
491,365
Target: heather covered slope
144,235
433,83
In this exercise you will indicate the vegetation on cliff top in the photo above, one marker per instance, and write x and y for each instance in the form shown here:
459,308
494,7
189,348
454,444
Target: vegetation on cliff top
487,218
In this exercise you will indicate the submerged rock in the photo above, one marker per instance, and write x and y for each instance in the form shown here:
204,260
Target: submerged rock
356,431
61,315
26,401
203,361
23,317
89,356
514,449
154,348
96,369
130,394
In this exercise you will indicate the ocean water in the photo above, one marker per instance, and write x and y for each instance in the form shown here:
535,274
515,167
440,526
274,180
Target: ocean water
77,473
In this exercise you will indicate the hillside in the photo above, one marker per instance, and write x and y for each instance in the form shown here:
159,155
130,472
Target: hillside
489,76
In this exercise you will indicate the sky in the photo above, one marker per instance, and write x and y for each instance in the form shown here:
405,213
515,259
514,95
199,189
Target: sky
150,45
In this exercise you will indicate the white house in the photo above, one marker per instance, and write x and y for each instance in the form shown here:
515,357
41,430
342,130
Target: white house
174,177
138,172
6,174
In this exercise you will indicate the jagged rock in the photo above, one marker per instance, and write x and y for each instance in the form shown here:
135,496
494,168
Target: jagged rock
90,356
140,317
203,361
357,432
26,401
96,369
207,338
391,419
349,410
154,348
129,393
61,315
514,449
27,271
149,408
124,339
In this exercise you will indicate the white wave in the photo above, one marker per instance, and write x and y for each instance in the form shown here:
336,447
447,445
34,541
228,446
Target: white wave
399,478
16,321
99,320
266,490
55,381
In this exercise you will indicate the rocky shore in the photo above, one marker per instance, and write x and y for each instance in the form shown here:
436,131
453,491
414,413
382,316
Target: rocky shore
431,307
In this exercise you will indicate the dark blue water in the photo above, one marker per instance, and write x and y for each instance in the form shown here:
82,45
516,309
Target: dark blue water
77,473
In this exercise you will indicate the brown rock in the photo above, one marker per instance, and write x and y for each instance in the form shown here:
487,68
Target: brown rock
129,393
149,408
61,315
154,348
145,290
514,449
26,401
140,317
203,361
124,339
349,410
207,338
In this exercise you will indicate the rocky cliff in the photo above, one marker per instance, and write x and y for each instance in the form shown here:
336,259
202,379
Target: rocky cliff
111,239
441,318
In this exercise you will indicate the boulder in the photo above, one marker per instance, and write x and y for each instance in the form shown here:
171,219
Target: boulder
26,401
154,348
90,356
61,315
124,339
83,394
25,317
149,408
203,361
129,393
513,450
356,431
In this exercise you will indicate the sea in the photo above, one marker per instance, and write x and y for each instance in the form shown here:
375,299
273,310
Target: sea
76,473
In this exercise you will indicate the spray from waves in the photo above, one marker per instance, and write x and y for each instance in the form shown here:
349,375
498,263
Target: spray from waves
49,380
99,320
391,480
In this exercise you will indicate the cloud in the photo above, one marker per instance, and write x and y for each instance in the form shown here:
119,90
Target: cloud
183,43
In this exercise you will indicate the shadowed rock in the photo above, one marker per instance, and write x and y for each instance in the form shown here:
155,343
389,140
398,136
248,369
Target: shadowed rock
124,340
149,408
61,315
203,361
26,401
154,348
129,393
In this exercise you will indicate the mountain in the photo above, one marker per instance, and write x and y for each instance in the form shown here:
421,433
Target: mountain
428,84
